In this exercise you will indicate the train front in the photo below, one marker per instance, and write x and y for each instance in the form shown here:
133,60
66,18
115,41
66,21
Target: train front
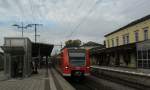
79,62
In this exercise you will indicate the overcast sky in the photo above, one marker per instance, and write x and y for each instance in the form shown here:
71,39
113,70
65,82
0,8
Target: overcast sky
87,20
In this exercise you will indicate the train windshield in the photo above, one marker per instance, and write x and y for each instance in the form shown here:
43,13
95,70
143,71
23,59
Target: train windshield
77,57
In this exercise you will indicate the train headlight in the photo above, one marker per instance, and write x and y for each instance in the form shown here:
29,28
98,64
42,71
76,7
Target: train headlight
87,67
66,67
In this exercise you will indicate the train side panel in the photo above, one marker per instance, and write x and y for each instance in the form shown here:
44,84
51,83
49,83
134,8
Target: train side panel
65,66
87,71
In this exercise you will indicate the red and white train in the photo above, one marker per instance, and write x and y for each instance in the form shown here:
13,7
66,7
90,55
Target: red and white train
74,62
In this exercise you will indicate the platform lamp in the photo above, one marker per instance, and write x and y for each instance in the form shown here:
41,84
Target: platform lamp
21,26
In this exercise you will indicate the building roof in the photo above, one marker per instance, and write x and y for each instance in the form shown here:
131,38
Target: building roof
130,24
42,49
17,38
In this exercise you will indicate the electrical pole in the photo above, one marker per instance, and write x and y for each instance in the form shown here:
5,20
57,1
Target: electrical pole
37,45
35,28
22,28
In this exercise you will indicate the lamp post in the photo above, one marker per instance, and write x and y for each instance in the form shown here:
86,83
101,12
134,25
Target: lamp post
39,55
21,26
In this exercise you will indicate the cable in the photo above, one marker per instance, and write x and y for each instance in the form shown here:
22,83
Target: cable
31,9
38,10
84,19
77,9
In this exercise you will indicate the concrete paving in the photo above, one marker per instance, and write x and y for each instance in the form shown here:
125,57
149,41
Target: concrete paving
46,79
35,82
2,76
61,83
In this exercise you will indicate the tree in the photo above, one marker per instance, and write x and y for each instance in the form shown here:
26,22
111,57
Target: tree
73,43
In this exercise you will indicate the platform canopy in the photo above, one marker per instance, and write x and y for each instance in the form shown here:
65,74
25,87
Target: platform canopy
121,48
41,49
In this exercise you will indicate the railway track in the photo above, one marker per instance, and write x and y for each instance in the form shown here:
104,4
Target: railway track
98,83
83,85
88,84
94,83
59,81
135,85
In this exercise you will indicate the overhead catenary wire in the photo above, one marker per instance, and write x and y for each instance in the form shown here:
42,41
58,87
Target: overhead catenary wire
67,16
45,8
84,19
39,12
78,8
36,16
21,9
32,11
23,16
36,13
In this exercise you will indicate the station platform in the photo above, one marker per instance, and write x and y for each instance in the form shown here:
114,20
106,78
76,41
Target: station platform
136,71
35,82
44,80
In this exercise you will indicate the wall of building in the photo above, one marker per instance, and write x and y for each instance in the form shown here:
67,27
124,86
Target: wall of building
118,59
133,60
122,63
131,31
1,61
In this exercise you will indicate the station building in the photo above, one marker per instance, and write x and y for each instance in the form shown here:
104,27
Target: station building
128,46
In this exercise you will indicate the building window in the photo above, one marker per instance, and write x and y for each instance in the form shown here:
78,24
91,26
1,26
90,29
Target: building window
112,42
117,41
108,44
126,39
145,33
136,36
104,43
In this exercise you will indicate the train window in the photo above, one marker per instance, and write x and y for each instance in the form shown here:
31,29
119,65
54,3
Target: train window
77,59
77,54
77,62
